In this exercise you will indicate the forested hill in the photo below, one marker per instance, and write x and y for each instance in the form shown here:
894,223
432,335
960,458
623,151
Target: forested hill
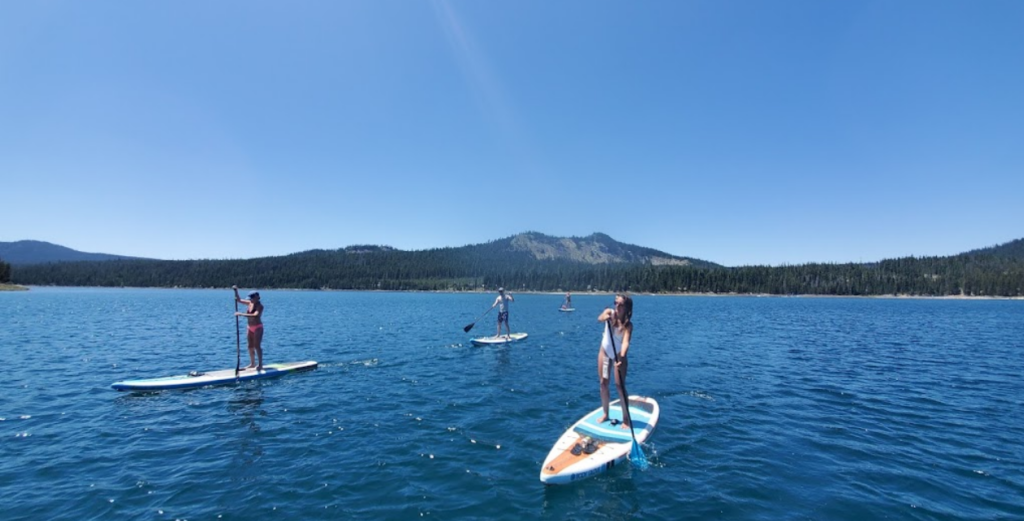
524,261
596,248
1011,250
38,252
537,262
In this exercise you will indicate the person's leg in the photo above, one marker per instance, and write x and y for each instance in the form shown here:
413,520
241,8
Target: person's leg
620,383
602,380
250,339
258,346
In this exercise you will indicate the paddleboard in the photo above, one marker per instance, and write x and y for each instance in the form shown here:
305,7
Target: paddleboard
498,340
201,379
567,310
589,448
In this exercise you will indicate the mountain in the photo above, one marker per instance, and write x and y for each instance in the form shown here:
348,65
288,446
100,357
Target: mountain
40,252
533,261
528,260
596,248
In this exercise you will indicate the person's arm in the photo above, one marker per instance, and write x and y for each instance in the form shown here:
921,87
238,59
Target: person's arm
239,299
605,315
255,313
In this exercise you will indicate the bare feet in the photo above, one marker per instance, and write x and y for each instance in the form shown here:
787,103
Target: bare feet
603,419
259,368
625,426
251,366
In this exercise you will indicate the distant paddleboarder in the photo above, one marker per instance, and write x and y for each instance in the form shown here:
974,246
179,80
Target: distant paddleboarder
254,335
568,301
502,302
619,322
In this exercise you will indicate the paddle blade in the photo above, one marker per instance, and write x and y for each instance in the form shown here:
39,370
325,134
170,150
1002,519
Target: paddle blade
467,328
637,457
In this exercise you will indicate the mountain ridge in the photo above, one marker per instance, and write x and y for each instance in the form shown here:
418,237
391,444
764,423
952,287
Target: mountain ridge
596,249
40,252
537,262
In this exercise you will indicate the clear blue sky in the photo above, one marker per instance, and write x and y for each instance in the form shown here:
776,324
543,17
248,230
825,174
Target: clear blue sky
740,132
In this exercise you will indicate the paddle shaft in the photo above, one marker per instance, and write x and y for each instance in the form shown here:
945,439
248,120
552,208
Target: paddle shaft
238,339
470,326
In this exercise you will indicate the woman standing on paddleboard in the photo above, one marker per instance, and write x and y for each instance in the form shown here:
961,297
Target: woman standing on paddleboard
619,322
254,335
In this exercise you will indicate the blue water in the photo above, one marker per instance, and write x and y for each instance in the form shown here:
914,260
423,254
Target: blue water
772,408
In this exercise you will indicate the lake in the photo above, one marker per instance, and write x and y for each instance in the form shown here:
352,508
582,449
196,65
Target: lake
772,408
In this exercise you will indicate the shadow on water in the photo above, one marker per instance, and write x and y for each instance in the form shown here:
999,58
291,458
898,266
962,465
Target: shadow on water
246,408
504,360
609,496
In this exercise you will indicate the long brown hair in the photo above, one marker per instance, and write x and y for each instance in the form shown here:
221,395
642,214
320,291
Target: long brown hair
624,320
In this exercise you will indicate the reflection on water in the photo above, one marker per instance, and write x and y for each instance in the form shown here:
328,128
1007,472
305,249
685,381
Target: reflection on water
246,407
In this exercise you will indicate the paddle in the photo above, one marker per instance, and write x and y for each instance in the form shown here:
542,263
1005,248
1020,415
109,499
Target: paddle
470,326
636,454
238,337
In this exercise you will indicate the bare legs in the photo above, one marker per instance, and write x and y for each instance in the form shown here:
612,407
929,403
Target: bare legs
603,377
507,328
255,341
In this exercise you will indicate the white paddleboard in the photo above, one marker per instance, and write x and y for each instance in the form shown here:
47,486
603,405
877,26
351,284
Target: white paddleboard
609,444
498,340
567,310
201,379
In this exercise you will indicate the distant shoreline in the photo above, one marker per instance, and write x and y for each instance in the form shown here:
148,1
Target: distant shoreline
15,287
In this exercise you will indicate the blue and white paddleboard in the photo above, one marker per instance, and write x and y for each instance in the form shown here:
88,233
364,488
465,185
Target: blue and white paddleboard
498,340
567,310
201,379
589,448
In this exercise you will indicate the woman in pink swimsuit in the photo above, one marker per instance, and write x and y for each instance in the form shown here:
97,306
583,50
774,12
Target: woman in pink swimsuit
255,334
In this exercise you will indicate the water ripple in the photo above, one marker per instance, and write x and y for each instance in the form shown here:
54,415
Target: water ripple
772,409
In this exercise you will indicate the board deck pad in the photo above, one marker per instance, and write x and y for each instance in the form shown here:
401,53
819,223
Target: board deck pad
220,377
611,430
498,340
607,443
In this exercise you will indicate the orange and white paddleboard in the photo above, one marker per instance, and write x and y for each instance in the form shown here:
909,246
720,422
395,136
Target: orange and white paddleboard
589,448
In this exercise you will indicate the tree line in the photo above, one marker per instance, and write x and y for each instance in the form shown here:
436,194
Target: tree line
5,272
979,273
